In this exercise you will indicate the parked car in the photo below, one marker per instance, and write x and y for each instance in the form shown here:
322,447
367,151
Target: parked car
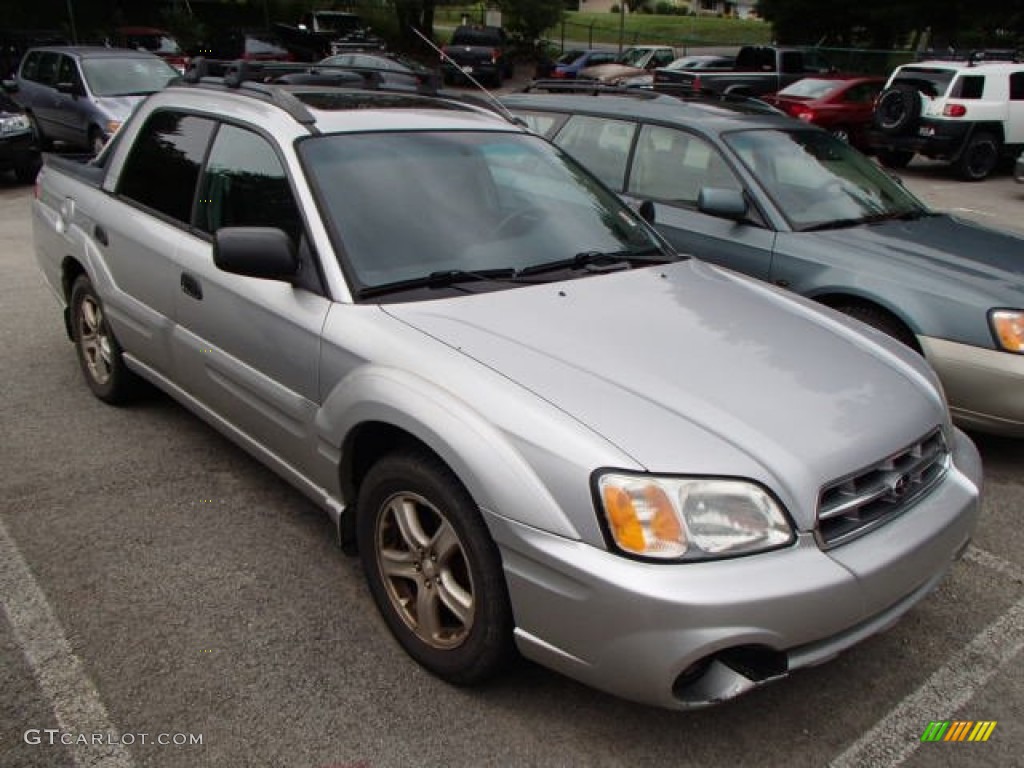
703,62
245,45
633,61
788,203
842,104
18,152
538,426
157,41
966,112
481,52
758,69
81,95
568,65
396,68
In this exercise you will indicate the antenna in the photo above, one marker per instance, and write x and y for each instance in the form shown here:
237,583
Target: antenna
491,97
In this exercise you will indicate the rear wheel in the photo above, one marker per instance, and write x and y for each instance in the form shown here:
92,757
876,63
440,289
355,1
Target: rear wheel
979,157
433,569
99,354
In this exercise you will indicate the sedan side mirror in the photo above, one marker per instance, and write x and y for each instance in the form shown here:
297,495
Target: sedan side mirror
723,203
264,252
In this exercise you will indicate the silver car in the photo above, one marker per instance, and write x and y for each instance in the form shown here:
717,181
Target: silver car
541,428
82,94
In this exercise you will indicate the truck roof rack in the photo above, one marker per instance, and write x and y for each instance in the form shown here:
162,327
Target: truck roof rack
280,83
974,57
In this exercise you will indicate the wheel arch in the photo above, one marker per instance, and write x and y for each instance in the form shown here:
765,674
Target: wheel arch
835,300
70,270
378,410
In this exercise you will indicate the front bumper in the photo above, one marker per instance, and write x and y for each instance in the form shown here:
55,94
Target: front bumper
984,387
17,150
689,635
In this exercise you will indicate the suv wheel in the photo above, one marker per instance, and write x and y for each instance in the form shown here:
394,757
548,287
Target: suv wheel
897,109
894,158
978,158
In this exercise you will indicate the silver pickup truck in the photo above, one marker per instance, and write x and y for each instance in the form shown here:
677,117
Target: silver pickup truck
541,429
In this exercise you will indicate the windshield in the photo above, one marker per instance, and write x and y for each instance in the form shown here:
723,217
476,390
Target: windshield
930,80
817,181
405,205
123,76
810,88
632,56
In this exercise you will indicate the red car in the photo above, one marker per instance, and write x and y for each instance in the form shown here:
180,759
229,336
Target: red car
842,104
154,40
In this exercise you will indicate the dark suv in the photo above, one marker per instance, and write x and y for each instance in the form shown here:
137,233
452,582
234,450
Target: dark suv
18,151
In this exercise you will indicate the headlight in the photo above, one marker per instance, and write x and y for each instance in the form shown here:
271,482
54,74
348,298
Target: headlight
671,518
14,124
1008,327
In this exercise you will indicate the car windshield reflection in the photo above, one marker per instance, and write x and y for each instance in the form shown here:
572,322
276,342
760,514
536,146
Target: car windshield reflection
487,202
819,182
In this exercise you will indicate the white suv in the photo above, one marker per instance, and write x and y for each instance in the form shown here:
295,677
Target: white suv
967,112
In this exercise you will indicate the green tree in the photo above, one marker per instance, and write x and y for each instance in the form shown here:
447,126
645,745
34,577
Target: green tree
527,19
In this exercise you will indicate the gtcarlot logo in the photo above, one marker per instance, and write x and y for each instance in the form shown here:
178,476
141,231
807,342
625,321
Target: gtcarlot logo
53,736
958,730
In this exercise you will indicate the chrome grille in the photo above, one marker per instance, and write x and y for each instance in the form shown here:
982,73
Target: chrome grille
852,506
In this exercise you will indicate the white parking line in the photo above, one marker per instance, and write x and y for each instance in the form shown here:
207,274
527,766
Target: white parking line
897,735
74,699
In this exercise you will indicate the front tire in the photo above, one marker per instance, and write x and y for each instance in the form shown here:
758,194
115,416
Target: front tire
99,354
433,569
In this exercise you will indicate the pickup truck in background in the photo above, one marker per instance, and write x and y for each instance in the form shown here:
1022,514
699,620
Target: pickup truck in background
327,33
759,69
479,51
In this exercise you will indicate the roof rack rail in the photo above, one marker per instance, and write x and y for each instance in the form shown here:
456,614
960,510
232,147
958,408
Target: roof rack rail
973,57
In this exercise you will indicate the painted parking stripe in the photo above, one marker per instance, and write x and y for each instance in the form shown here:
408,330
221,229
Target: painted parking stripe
897,735
61,676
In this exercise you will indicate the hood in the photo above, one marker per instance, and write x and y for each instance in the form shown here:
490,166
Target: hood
688,369
119,107
940,248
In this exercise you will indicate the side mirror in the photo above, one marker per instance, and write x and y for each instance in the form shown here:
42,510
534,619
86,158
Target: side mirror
723,203
263,252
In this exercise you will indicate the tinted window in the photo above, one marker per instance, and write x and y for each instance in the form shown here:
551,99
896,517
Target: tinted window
67,72
601,145
968,87
245,185
865,93
163,168
672,166
48,65
1017,86
30,69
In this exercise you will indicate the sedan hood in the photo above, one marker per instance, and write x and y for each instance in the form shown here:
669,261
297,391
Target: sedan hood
688,369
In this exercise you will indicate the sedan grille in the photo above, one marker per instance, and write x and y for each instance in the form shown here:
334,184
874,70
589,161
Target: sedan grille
854,505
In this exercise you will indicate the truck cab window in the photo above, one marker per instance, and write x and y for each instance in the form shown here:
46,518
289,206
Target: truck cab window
162,170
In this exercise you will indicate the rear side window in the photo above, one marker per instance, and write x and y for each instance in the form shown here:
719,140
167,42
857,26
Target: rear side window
929,80
1017,86
162,170
968,87
30,69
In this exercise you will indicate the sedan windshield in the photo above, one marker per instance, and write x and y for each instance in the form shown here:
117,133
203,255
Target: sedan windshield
122,76
408,206
819,182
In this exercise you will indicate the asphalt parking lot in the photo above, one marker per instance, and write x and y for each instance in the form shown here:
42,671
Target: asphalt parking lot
162,589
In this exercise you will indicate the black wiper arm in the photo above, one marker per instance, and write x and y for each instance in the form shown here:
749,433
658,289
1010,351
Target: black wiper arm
611,259
835,224
441,279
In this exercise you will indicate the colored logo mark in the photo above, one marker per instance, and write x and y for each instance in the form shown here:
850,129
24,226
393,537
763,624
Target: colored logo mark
958,730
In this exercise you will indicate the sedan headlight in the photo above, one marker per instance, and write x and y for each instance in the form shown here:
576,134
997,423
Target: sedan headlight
670,518
11,124
1008,327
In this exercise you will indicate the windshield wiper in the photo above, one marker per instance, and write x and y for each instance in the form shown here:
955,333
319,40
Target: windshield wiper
608,260
871,218
442,279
